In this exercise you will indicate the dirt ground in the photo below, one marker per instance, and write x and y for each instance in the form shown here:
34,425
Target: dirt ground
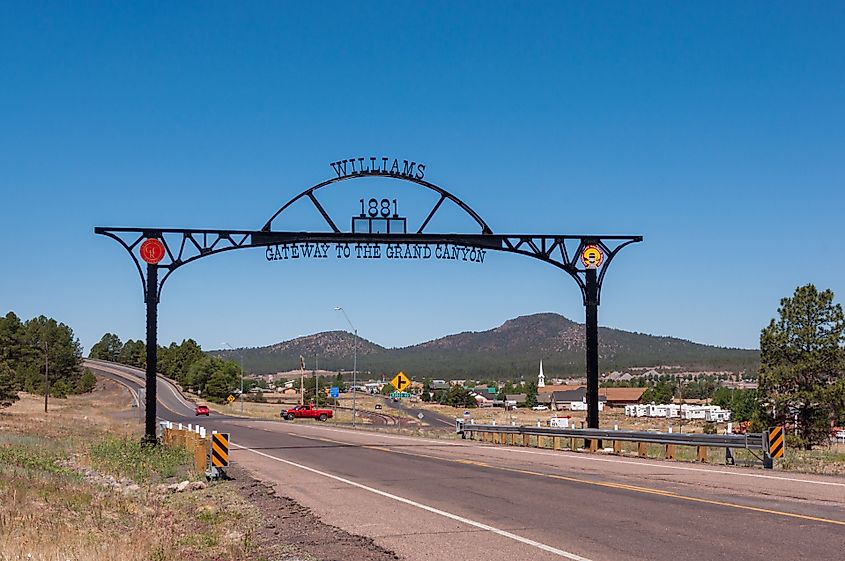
289,530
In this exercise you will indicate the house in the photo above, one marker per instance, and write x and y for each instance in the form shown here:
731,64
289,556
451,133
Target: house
572,399
620,397
484,399
514,399
486,389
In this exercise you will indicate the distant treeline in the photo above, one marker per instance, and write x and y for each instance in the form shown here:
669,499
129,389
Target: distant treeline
211,377
29,348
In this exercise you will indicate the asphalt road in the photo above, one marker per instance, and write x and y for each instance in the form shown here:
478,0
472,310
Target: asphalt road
442,500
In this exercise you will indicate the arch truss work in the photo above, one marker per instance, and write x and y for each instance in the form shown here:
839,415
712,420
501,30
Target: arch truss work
158,252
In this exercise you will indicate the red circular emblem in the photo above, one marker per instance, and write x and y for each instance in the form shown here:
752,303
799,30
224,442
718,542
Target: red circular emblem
152,251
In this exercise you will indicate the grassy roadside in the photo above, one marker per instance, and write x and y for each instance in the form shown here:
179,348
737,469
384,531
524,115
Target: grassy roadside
75,484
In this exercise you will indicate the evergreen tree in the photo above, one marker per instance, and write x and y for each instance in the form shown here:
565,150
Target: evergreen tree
108,348
134,353
530,390
87,382
661,392
175,360
457,396
214,378
64,354
8,391
801,364
426,391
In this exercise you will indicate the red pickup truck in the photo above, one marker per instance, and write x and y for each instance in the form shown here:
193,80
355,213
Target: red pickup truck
306,412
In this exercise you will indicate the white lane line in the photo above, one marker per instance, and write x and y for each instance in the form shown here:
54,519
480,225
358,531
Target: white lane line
427,508
587,458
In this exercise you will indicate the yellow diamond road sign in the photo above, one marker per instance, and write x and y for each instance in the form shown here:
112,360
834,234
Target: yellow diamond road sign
231,398
400,382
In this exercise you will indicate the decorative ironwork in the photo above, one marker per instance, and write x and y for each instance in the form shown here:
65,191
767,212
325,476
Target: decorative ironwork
580,256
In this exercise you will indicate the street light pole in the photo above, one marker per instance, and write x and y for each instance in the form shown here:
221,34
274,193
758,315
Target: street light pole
240,354
354,363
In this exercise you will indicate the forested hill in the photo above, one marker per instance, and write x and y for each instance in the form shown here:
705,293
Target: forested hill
510,350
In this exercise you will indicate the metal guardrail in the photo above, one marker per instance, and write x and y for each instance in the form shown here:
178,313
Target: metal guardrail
752,441
755,442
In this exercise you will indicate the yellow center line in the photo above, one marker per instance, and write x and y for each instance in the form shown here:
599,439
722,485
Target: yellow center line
606,484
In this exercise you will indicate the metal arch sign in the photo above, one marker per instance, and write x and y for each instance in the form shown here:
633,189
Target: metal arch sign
378,230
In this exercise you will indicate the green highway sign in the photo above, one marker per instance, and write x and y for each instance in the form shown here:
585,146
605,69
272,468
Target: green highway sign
400,394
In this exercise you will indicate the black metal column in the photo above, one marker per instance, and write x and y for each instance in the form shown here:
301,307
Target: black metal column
591,305
151,299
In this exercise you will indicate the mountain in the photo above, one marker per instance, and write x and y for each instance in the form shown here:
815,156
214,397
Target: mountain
511,350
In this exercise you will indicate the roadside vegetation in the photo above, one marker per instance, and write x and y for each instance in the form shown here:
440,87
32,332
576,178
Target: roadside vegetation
210,377
37,353
77,485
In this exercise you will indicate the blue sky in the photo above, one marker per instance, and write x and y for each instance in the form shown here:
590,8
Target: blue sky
717,131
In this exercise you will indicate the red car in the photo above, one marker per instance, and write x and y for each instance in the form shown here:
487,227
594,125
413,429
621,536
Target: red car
201,410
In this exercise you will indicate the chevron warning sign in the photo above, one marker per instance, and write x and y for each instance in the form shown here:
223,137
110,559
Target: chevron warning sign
220,449
776,443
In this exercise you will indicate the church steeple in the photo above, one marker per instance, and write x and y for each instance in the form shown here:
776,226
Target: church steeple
541,379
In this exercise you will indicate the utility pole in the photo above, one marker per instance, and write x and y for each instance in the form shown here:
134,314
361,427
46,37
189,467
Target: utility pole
301,380
354,364
241,355
46,374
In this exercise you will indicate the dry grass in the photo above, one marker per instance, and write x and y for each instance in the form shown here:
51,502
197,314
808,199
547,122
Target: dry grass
50,512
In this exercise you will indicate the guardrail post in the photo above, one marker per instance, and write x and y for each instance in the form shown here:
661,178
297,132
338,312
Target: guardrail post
642,449
670,452
594,444
701,454
768,462
556,442
572,444
201,452
526,440
617,446
541,442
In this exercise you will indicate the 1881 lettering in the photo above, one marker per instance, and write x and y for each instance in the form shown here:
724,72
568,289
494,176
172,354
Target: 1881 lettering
381,208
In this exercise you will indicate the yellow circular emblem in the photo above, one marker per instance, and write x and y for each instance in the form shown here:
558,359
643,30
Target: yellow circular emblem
592,257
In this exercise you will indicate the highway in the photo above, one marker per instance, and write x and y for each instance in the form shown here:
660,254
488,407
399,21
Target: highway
458,500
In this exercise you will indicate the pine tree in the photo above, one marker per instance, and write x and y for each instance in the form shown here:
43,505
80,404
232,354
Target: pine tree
801,379
108,348
8,391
